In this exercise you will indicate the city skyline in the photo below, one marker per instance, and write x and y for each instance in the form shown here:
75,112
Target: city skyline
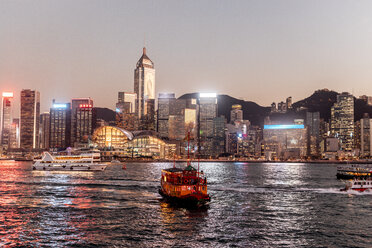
237,48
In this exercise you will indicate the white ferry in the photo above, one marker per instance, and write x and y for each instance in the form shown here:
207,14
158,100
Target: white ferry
81,162
360,185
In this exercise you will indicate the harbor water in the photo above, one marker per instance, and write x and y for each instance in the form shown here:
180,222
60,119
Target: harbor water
253,205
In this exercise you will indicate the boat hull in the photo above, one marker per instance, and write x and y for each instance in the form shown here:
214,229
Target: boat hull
93,167
189,200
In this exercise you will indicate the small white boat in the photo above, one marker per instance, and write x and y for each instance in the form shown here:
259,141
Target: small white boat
360,185
115,161
81,162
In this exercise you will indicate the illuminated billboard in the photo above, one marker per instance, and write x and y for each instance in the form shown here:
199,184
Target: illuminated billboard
284,126
7,94
203,95
60,105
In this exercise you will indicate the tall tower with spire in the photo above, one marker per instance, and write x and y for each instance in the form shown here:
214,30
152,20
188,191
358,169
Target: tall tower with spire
144,87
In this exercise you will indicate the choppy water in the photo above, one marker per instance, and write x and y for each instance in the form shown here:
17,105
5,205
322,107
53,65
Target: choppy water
253,205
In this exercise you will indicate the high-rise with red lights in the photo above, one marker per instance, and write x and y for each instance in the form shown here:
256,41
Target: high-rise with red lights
84,123
81,118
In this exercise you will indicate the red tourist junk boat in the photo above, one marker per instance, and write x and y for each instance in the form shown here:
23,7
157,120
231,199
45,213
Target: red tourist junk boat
185,186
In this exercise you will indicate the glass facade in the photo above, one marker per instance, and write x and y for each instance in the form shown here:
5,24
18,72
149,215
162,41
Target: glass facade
29,125
6,119
285,143
131,144
342,121
144,87
60,126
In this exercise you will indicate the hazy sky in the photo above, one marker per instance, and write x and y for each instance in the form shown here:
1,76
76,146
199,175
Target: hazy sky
261,51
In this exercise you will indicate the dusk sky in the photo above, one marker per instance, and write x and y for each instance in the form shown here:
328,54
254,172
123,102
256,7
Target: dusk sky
261,51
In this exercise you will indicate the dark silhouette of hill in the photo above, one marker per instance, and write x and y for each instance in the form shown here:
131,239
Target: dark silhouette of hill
323,100
251,111
320,101
105,114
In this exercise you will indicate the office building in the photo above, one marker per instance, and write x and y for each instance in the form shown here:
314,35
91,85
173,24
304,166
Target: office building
76,104
236,113
365,137
342,121
207,113
313,125
85,116
6,119
60,126
285,141
29,125
14,134
44,130
165,100
288,102
144,87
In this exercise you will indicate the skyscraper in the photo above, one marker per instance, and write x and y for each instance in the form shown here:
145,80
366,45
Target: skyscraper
313,124
6,118
44,130
365,136
207,113
144,87
342,120
30,112
60,125
85,118
129,98
126,116
14,134
164,102
236,113
76,104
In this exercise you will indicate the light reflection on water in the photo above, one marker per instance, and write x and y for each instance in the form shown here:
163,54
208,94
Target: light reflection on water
262,205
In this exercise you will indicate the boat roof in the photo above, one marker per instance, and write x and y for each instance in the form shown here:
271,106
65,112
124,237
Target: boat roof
174,169
190,168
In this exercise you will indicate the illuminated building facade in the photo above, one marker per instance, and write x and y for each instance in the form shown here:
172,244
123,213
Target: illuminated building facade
165,100
176,117
219,124
60,126
6,119
85,116
288,102
126,144
285,141
76,104
236,113
14,134
313,125
144,87
365,137
130,98
342,121
29,125
207,112
44,130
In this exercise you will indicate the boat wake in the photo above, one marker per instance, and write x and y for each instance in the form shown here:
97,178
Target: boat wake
294,190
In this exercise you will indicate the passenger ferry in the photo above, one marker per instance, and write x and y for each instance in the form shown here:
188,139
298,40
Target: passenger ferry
360,185
185,186
80,162
351,171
